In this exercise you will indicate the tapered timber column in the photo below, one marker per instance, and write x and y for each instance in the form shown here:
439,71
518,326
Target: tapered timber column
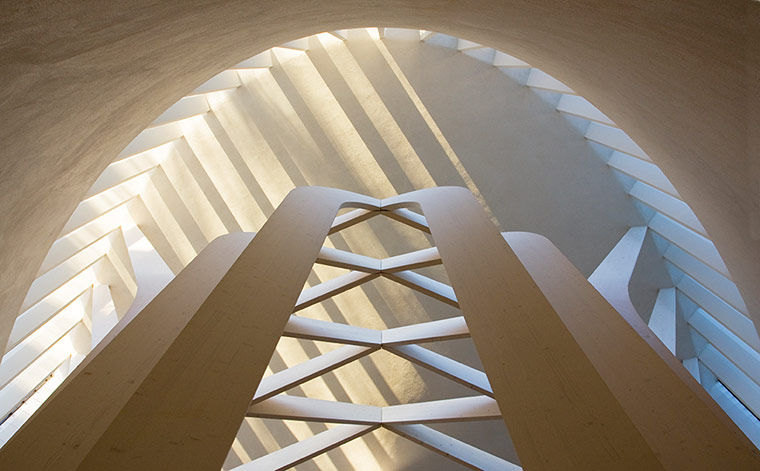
684,431
559,412
170,390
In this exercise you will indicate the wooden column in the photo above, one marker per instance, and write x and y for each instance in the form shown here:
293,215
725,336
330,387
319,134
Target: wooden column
578,388
559,411
170,390
683,429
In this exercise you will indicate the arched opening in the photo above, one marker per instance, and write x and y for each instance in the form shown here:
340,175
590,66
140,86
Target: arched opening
391,115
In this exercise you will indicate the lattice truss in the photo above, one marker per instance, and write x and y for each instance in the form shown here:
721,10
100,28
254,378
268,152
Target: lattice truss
355,420
164,198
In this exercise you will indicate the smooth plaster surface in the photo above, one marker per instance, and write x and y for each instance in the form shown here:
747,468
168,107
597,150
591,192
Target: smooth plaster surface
309,121
339,117
81,80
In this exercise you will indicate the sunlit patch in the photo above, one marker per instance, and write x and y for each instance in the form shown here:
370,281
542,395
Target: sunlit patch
339,109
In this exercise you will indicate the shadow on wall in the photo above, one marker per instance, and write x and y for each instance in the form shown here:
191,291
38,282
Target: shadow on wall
340,116
377,118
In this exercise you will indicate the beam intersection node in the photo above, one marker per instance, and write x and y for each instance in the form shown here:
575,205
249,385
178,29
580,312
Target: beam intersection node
355,420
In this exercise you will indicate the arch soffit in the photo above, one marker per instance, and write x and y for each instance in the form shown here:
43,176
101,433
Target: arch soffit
650,80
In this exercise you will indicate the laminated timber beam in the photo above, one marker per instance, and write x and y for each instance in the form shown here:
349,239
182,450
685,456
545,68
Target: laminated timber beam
148,397
557,376
558,409
685,430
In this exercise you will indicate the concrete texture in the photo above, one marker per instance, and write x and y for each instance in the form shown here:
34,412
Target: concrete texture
80,81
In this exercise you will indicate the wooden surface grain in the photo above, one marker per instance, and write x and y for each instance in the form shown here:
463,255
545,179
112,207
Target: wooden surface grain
171,389
560,413
81,79
678,423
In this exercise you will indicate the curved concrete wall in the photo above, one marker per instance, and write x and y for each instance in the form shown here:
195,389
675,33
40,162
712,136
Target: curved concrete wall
339,116
81,81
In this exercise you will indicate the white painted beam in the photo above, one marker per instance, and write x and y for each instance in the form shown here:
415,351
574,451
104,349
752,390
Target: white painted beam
36,344
341,34
69,244
374,33
333,287
170,216
732,377
666,204
122,170
728,316
121,287
350,218
542,80
142,216
579,106
616,139
706,276
54,278
19,388
44,294
692,366
92,208
456,450
747,422
312,329
663,318
444,329
308,370
425,285
613,275
226,80
636,367
297,453
410,218
452,369
411,261
424,34
298,45
447,410
316,410
185,108
14,422
483,54
259,61
646,172
160,187
696,244
47,309
464,45
732,347
501,59
151,138
348,260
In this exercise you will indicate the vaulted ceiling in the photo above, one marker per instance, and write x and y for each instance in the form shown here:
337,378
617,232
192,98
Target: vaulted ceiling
379,111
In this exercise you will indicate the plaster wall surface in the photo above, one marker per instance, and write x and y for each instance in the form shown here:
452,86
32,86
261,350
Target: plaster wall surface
339,116
316,119
81,80
534,170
